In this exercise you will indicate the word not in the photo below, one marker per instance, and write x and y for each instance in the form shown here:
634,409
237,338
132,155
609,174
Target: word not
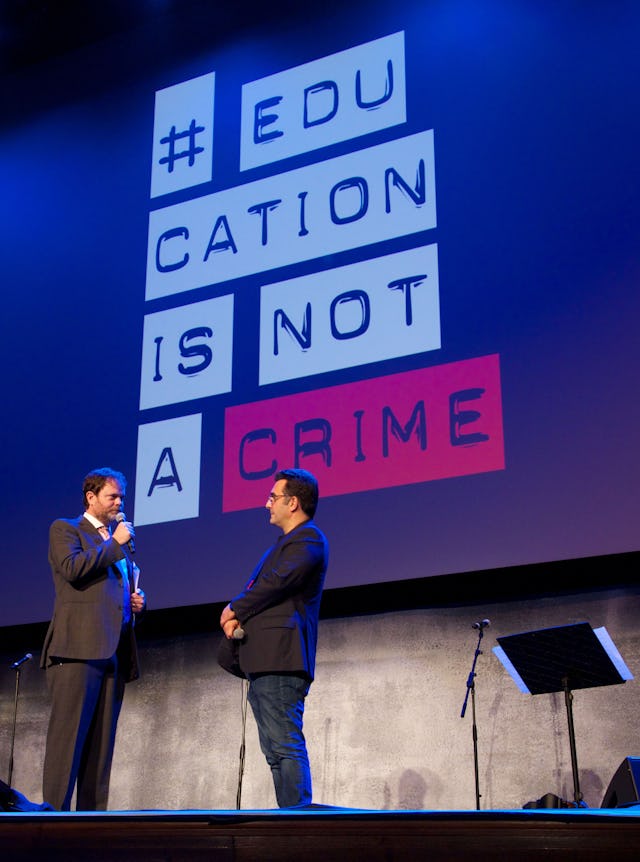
383,309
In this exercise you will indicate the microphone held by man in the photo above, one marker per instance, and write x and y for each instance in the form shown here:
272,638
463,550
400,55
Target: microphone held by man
121,518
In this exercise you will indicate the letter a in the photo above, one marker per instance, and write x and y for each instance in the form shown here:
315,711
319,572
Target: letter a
165,480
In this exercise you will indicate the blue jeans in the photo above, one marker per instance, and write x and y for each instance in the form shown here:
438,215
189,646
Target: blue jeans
277,701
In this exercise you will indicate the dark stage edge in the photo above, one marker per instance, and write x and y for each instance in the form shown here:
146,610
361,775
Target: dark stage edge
321,833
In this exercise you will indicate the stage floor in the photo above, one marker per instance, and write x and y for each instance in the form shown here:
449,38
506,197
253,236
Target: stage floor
321,833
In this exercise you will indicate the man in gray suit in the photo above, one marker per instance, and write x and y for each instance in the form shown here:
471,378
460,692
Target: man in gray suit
276,616
90,649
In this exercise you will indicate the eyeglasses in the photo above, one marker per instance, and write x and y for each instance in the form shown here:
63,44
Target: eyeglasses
273,497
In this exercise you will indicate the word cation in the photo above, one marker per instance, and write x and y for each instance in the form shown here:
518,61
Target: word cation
382,193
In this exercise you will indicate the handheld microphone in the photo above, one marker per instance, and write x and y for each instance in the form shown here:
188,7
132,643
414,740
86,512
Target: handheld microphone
238,634
21,661
120,517
481,625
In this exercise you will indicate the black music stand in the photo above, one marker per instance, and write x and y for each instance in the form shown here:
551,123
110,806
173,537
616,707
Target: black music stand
563,658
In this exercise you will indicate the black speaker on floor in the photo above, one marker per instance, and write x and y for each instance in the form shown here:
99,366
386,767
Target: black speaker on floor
549,800
624,788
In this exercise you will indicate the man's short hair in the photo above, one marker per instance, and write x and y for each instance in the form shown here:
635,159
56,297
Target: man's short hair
97,479
304,486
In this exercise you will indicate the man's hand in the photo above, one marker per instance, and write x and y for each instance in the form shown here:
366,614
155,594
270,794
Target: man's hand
123,533
229,622
229,627
227,614
138,601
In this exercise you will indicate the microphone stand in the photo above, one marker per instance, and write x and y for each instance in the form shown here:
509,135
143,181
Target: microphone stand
245,694
471,688
13,729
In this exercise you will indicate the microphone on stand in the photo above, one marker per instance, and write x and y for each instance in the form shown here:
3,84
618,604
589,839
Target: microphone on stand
21,661
120,517
482,624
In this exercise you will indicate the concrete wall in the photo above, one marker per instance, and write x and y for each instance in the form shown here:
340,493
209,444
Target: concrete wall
382,721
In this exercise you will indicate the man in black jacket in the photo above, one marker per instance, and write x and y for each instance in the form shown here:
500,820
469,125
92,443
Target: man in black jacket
90,647
277,615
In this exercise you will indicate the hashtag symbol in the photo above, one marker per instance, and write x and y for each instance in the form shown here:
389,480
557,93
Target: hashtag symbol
190,152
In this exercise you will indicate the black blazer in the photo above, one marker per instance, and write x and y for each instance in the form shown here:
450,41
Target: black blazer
87,615
279,608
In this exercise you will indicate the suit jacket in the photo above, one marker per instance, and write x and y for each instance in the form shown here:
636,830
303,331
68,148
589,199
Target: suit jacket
87,615
279,608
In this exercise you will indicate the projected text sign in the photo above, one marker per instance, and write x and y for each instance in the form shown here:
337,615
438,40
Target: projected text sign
413,427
